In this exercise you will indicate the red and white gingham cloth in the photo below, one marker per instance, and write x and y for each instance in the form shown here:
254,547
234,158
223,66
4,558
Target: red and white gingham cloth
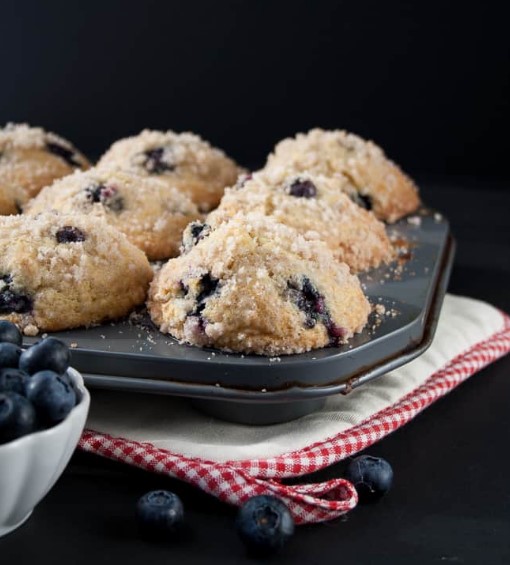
234,481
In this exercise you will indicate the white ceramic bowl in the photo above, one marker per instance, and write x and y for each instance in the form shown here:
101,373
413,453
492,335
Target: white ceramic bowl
30,465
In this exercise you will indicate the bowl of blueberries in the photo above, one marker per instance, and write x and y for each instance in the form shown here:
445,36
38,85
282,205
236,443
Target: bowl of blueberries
43,409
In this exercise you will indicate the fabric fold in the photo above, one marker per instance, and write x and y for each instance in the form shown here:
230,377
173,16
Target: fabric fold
470,335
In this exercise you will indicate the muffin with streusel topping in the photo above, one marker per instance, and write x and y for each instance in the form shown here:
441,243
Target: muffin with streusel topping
184,160
376,183
150,212
317,208
60,271
254,285
31,158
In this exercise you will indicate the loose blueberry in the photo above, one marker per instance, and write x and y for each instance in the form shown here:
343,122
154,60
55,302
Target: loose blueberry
371,476
303,189
264,524
9,332
159,513
64,153
52,396
13,380
66,377
154,161
9,355
108,196
17,417
49,354
70,234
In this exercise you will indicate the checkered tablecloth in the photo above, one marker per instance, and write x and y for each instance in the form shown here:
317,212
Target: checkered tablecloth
234,462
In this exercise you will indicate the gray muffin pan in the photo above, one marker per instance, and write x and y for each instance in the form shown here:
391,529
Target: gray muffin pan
134,356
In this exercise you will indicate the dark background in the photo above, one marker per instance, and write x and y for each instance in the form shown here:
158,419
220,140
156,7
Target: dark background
427,80
430,82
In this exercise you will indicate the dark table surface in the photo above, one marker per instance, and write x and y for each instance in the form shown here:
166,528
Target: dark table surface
451,498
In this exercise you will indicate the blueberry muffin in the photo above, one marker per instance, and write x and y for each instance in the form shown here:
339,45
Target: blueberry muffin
183,160
150,212
31,158
254,285
316,207
376,183
60,271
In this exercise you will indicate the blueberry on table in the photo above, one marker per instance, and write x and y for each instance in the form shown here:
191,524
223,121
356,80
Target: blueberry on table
9,355
264,524
13,380
159,513
52,396
49,354
10,333
17,417
371,476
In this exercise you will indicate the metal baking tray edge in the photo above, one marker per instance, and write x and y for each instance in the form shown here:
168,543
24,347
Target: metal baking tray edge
261,407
